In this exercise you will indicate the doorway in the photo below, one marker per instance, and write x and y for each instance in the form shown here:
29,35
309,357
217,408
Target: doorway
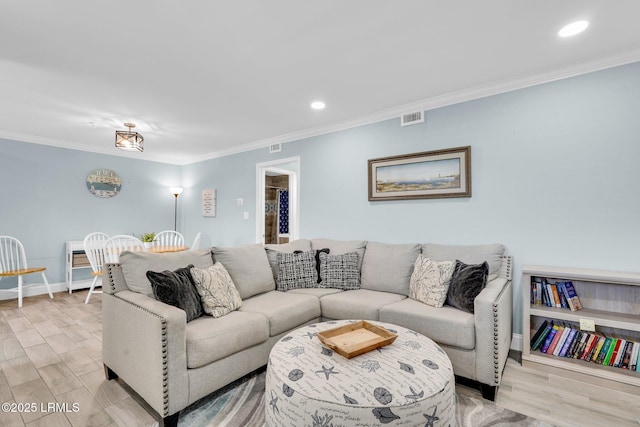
277,201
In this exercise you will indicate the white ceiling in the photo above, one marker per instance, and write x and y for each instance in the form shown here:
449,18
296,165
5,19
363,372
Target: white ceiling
205,79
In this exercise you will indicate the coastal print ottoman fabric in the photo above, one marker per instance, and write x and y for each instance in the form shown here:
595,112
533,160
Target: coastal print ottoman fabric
296,270
407,383
218,294
339,271
430,281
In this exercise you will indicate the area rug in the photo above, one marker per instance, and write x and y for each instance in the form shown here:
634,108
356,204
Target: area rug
241,404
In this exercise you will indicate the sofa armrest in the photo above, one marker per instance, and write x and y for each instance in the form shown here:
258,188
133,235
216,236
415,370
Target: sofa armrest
113,279
493,316
144,343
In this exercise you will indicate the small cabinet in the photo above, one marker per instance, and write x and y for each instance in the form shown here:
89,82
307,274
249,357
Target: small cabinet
610,301
76,260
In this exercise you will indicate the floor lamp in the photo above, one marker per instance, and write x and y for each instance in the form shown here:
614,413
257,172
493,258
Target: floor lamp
176,191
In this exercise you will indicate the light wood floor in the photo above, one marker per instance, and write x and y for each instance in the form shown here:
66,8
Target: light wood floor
50,352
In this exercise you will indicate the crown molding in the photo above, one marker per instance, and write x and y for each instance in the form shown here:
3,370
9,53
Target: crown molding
619,58
451,98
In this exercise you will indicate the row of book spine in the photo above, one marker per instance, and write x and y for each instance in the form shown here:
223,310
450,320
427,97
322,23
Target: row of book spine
565,341
561,294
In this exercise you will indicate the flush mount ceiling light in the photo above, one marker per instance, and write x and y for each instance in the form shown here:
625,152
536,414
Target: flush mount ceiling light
573,28
129,141
318,105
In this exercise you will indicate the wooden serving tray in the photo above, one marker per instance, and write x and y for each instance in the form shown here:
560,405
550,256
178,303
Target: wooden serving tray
356,338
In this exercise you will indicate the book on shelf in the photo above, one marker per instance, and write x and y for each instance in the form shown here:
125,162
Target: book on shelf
563,338
566,296
567,344
588,348
539,335
555,340
554,293
626,356
596,350
561,294
575,343
619,353
586,339
550,336
614,345
573,296
634,357
604,351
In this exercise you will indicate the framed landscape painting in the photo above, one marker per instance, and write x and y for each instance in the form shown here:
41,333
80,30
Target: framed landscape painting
426,175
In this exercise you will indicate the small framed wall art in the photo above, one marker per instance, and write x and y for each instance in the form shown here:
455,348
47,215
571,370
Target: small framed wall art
209,203
426,175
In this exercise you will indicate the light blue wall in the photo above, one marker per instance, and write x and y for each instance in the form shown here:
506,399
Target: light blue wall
554,177
45,201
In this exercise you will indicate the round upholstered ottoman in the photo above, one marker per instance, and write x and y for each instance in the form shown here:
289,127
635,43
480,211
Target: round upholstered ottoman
407,383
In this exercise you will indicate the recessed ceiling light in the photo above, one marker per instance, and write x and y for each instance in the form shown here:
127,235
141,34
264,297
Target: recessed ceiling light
573,28
318,105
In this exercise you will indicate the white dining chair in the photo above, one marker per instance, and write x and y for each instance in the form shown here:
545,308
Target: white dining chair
169,238
115,245
94,244
13,262
196,242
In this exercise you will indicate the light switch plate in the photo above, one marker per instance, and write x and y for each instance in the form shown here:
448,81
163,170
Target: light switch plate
588,325
245,215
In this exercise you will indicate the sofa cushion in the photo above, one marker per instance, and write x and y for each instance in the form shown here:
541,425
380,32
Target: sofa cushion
338,247
430,281
445,325
273,251
339,271
467,282
388,268
176,288
361,304
284,310
217,292
210,338
469,254
136,264
296,270
248,267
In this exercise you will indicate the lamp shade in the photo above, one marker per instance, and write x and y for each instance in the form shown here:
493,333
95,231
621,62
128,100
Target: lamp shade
176,191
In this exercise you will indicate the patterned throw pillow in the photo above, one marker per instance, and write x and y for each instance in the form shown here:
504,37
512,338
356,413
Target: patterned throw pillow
339,271
296,270
467,282
218,293
176,288
430,281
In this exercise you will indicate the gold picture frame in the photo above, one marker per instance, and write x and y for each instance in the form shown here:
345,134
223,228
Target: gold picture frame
427,175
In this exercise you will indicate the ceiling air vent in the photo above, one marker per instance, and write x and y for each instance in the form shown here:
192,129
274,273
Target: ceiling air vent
412,118
275,148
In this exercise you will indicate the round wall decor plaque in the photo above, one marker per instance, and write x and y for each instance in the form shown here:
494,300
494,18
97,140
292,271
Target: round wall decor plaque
103,183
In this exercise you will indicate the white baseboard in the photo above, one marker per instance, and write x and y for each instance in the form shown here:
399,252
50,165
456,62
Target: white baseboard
31,290
516,342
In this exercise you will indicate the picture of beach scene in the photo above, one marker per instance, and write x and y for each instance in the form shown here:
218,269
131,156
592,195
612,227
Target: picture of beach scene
419,176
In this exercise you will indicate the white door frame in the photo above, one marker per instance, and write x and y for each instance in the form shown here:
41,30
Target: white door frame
294,195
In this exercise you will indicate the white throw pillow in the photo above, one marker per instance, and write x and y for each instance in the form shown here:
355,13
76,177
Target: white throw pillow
430,281
218,293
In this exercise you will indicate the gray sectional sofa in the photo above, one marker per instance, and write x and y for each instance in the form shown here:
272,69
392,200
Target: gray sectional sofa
171,363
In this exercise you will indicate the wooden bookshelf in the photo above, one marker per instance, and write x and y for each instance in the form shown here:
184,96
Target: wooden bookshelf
610,299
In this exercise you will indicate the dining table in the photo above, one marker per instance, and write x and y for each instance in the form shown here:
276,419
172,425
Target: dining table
164,249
